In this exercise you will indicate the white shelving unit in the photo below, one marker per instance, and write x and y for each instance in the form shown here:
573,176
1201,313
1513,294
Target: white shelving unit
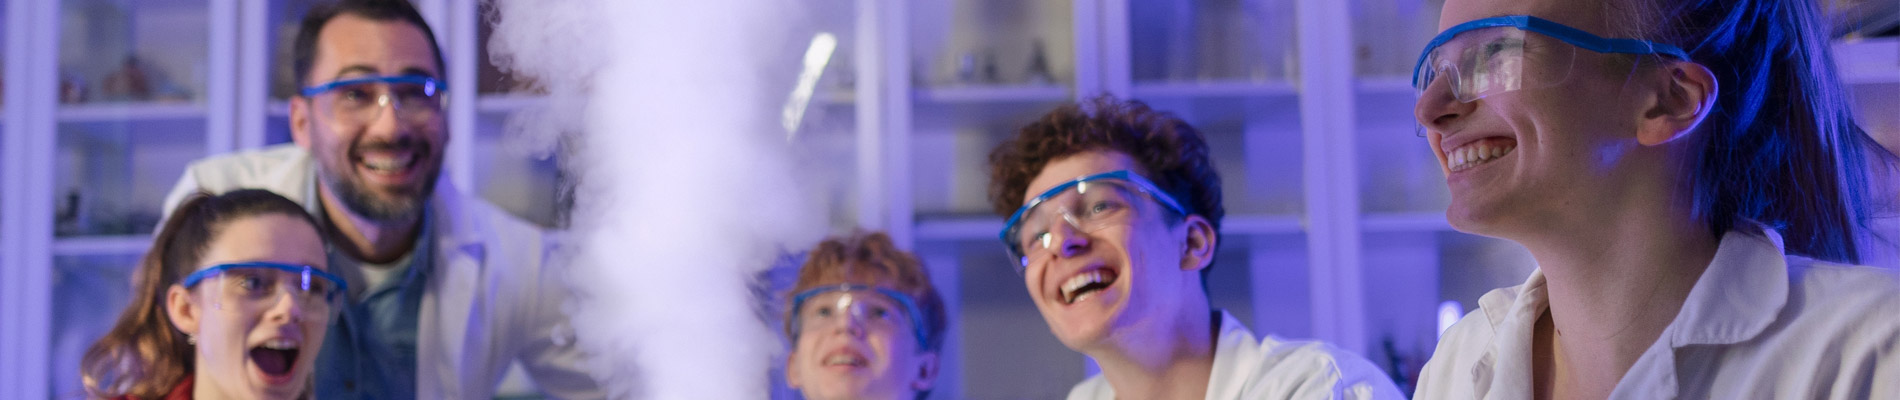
1335,227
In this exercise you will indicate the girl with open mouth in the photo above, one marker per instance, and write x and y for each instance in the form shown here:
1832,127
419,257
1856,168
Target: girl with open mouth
232,302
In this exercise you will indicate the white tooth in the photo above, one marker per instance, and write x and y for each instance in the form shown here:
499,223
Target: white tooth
382,162
379,164
280,344
1499,152
842,359
1077,282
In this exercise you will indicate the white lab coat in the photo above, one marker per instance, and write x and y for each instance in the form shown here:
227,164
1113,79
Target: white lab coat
1757,324
490,299
1274,369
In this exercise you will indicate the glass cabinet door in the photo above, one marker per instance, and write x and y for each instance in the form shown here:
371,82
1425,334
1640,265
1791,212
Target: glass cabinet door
516,164
285,17
980,70
89,292
1211,41
131,115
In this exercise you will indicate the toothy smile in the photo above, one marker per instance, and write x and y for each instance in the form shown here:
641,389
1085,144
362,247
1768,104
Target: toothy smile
1083,285
1478,152
845,359
388,161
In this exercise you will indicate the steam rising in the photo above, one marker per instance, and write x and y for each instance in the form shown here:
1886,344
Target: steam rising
686,184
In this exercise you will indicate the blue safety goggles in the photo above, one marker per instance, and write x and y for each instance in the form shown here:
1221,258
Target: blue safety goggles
261,280
417,84
1495,55
1086,204
869,304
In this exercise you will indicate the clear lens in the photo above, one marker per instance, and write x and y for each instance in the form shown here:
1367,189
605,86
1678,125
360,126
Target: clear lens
362,103
1488,61
872,310
1086,207
257,289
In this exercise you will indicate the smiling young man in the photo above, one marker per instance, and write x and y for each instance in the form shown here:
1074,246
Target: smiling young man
447,291
1114,217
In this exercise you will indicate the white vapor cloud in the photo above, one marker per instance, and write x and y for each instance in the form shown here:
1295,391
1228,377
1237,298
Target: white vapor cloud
686,186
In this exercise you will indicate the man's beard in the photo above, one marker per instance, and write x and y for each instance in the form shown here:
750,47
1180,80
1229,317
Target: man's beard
405,207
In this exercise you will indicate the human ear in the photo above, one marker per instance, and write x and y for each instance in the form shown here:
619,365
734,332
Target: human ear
300,121
1684,94
791,370
926,372
1198,249
183,312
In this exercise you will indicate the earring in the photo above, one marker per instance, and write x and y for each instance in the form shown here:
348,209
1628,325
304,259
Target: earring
192,340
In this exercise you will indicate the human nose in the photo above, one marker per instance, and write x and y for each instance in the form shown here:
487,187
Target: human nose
287,306
851,324
1438,108
382,116
1068,238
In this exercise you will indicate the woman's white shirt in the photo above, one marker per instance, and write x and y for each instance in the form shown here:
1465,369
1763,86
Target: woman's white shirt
1757,324
1274,368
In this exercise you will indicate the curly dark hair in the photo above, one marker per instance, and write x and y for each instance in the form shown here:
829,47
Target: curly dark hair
1169,152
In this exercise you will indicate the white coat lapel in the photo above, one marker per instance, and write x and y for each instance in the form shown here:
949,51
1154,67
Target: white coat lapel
452,308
